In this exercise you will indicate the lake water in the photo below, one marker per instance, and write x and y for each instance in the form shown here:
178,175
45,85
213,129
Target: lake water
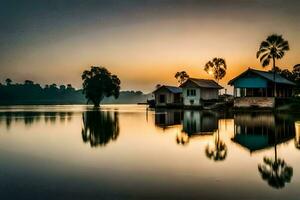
131,152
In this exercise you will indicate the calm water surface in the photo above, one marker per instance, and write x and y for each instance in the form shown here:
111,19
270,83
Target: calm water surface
130,152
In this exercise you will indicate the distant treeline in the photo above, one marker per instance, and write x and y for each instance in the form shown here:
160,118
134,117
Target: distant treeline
293,76
33,93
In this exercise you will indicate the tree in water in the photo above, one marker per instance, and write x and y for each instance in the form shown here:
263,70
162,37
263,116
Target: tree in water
276,172
99,83
99,127
181,77
274,47
216,67
219,151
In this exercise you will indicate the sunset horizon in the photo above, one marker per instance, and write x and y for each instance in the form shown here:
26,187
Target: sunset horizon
143,42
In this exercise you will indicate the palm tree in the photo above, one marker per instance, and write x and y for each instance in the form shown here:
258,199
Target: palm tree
217,67
274,47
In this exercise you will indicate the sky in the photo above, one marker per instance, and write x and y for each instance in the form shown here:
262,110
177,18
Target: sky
143,42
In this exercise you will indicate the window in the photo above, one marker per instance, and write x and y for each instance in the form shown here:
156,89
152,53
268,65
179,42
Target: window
162,98
191,92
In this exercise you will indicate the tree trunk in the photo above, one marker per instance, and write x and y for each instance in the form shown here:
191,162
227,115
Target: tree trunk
274,77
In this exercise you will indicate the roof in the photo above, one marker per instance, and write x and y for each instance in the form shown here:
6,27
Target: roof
266,75
172,89
203,83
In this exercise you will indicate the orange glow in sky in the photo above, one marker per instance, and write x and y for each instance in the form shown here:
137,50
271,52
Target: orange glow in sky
144,44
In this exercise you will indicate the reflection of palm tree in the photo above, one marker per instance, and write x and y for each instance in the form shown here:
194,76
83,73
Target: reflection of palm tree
276,172
219,151
99,128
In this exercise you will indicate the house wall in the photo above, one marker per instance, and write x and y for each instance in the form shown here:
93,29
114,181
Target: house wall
251,82
201,93
261,102
169,97
187,99
209,93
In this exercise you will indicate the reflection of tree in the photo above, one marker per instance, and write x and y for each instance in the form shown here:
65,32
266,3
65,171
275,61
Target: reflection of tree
276,172
219,151
99,128
182,138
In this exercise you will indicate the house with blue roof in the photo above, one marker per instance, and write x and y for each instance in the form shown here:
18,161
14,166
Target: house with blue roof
255,88
168,96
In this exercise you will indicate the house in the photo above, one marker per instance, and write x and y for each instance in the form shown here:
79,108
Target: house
167,96
256,88
196,91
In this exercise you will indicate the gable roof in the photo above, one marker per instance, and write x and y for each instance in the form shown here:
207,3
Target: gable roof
172,89
266,75
203,83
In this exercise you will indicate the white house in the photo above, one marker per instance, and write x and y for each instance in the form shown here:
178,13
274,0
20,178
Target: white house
195,91
167,96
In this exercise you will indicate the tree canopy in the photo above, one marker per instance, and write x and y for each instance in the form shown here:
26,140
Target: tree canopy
217,67
98,83
181,77
274,47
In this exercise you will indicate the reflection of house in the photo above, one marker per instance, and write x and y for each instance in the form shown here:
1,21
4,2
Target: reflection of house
196,90
167,96
257,131
196,122
256,88
297,138
165,118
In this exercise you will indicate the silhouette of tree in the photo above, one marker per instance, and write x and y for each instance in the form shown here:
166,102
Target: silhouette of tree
8,81
219,151
62,87
99,127
287,74
274,47
99,83
28,82
217,67
181,77
296,74
53,86
296,77
276,172
157,86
